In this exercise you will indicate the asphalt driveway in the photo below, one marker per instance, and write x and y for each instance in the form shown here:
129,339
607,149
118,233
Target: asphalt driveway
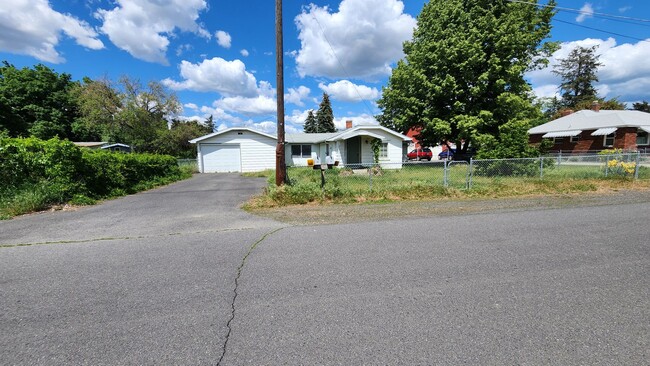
204,203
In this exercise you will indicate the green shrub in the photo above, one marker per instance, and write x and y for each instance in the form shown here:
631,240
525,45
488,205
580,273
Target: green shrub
35,174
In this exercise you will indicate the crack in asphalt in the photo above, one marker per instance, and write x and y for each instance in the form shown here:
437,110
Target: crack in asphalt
235,293
92,240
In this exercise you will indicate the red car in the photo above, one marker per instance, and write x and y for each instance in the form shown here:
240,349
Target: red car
420,154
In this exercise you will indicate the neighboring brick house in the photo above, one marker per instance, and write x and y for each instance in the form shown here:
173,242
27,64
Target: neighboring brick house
596,129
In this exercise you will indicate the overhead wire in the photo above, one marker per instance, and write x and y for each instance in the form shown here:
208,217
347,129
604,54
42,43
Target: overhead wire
611,17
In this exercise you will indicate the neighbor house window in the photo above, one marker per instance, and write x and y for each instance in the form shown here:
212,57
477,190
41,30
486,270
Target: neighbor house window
641,138
558,140
302,151
383,150
609,139
575,139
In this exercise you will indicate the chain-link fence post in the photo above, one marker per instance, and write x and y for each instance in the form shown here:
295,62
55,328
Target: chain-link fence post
541,167
607,166
559,157
444,182
636,166
370,178
470,172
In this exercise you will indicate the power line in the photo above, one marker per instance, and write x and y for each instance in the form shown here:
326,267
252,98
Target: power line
572,10
619,18
601,30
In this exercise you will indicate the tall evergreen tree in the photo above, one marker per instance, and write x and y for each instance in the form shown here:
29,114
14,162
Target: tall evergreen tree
325,116
311,125
463,76
579,73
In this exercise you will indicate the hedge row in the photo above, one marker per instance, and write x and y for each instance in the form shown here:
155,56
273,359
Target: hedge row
96,174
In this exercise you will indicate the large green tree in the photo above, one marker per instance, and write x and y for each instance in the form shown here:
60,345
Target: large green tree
325,116
462,79
579,72
36,102
128,112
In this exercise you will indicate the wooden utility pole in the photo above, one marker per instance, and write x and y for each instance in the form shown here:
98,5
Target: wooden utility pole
280,164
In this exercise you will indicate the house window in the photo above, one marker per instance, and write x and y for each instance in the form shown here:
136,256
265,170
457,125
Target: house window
301,151
383,150
575,139
558,140
609,139
641,137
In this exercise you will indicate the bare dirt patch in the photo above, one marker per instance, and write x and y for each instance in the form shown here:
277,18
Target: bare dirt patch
318,214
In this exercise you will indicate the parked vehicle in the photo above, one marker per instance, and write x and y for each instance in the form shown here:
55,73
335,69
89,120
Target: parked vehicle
420,154
446,154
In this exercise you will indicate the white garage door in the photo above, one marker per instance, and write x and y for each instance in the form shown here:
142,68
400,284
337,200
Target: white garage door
221,158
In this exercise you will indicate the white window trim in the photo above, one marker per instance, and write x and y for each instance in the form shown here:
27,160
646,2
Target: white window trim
647,138
574,139
558,140
612,136
383,151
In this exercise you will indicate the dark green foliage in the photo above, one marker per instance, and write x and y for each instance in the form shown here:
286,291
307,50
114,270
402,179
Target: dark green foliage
641,106
579,73
31,160
311,125
325,116
107,173
36,102
175,140
463,76
35,174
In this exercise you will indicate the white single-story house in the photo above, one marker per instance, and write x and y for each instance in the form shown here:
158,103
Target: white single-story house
240,149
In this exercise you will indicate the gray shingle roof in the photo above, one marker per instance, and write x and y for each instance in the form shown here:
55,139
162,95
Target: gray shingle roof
591,120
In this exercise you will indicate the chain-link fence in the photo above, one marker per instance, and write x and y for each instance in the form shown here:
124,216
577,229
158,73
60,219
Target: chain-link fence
414,176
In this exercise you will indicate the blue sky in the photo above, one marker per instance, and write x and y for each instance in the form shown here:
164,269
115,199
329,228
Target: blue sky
218,55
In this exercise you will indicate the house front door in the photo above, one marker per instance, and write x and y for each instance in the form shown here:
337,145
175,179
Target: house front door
353,148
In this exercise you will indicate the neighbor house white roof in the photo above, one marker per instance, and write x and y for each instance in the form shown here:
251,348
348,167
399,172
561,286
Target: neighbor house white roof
603,121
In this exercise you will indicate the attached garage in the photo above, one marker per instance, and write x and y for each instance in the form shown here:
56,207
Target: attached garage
235,150
221,158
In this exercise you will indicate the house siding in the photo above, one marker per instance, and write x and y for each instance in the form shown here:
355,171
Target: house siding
257,151
624,139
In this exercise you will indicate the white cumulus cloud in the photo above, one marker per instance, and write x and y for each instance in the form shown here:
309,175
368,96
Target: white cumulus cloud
587,11
244,52
216,75
255,106
346,91
359,41
223,39
298,117
143,27
296,96
32,27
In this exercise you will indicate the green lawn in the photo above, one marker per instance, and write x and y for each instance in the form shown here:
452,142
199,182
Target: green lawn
426,181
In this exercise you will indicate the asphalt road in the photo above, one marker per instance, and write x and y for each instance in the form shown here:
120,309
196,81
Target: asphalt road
181,274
